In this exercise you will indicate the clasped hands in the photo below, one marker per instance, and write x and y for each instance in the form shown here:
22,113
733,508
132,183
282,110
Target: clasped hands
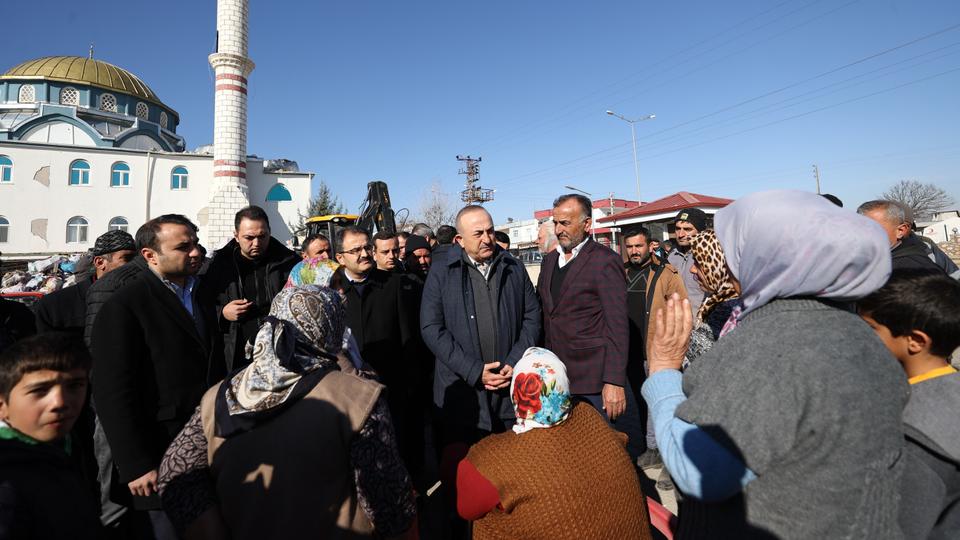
494,379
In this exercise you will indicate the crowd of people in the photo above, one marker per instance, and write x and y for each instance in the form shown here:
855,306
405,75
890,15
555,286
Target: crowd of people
784,364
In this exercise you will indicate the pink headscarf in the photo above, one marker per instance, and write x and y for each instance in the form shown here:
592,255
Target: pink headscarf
784,243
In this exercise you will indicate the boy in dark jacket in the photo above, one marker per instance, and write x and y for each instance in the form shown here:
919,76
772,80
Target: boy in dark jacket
917,316
43,386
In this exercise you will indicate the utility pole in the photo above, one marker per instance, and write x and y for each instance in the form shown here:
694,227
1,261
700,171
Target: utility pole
816,175
473,194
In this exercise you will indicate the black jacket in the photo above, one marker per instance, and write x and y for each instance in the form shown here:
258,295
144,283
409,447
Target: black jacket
151,366
43,496
64,310
913,253
224,280
16,322
103,289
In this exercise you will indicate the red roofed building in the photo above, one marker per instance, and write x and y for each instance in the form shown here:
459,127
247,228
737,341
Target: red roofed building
658,215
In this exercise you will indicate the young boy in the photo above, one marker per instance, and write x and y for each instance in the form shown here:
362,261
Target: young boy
43,386
917,316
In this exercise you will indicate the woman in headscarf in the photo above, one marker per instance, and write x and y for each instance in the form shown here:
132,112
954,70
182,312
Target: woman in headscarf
789,427
295,445
562,472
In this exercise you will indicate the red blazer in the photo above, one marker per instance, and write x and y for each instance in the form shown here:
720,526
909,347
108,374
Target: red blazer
586,326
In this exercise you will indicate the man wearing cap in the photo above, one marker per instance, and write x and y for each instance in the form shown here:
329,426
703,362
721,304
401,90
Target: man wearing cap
689,222
66,310
418,257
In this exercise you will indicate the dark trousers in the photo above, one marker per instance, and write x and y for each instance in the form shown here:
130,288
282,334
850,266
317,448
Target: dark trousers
629,423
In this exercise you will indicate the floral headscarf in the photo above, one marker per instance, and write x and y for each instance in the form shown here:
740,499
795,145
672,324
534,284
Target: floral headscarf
540,390
312,272
714,274
299,341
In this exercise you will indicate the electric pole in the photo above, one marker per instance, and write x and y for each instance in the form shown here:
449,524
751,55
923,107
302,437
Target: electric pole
473,194
816,175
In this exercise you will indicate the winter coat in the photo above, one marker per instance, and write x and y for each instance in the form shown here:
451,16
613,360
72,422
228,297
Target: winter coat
101,290
224,280
64,310
449,328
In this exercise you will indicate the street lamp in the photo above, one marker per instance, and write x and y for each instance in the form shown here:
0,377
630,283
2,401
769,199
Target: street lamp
592,233
633,132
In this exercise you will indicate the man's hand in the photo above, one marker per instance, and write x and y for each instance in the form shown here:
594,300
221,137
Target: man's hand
236,309
614,400
493,379
144,486
671,336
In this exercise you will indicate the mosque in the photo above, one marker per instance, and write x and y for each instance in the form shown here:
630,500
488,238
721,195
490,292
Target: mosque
87,147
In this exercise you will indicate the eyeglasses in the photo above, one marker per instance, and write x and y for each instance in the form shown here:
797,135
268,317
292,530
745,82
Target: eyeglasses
357,250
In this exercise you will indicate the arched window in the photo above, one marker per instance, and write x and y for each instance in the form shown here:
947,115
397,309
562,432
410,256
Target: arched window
142,110
178,178
119,174
163,120
70,96
279,192
79,173
76,230
28,94
108,102
4,230
118,223
6,169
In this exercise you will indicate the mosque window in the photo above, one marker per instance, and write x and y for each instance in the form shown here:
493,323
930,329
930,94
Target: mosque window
163,120
28,94
4,230
76,230
119,174
118,223
108,102
6,169
69,96
279,192
178,178
79,173
142,110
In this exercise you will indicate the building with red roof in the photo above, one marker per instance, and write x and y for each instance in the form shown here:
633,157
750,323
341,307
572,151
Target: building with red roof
657,216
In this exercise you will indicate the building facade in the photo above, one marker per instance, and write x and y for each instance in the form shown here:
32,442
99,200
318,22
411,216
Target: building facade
86,146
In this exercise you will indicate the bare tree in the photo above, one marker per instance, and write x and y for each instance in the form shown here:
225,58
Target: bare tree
922,199
436,208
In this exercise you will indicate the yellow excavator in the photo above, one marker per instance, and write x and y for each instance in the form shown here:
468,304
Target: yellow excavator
376,214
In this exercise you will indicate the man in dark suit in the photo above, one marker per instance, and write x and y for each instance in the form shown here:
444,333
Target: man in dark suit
584,292
155,354
382,314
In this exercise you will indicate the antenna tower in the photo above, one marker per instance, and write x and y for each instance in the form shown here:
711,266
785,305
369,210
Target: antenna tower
473,194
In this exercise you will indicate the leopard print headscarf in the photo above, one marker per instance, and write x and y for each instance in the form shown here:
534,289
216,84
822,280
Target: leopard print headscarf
714,275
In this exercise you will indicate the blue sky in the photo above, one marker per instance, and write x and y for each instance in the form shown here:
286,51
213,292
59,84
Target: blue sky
748,94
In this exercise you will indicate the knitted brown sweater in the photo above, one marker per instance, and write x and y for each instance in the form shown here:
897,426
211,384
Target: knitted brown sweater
571,481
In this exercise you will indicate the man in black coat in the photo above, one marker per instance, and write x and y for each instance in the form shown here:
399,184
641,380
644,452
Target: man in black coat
382,314
66,310
155,354
907,250
244,276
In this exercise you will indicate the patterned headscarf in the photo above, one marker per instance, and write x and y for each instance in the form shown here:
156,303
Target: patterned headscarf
714,275
312,272
784,243
540,390
302,334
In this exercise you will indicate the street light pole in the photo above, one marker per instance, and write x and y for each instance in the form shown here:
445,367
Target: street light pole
633,134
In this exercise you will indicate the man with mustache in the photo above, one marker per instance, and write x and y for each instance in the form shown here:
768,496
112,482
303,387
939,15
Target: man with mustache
383,316
584,293
155,353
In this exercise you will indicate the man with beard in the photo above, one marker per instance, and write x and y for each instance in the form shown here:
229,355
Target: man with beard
154,355
650,282
245,275
688,223
584,295
419,257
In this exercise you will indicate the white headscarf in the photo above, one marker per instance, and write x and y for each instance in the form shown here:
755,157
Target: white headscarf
786,243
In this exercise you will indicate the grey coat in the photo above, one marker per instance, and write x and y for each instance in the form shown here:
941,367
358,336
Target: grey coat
449,329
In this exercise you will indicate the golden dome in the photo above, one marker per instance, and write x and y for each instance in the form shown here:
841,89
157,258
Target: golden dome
80,70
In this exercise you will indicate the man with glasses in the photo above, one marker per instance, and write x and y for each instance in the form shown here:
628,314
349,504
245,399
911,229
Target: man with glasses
386,253
382,313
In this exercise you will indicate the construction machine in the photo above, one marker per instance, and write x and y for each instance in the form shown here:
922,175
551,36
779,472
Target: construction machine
376,214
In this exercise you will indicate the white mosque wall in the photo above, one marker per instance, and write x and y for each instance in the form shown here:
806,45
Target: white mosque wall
40,190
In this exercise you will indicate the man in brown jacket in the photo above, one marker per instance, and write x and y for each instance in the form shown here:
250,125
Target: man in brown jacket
650,282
